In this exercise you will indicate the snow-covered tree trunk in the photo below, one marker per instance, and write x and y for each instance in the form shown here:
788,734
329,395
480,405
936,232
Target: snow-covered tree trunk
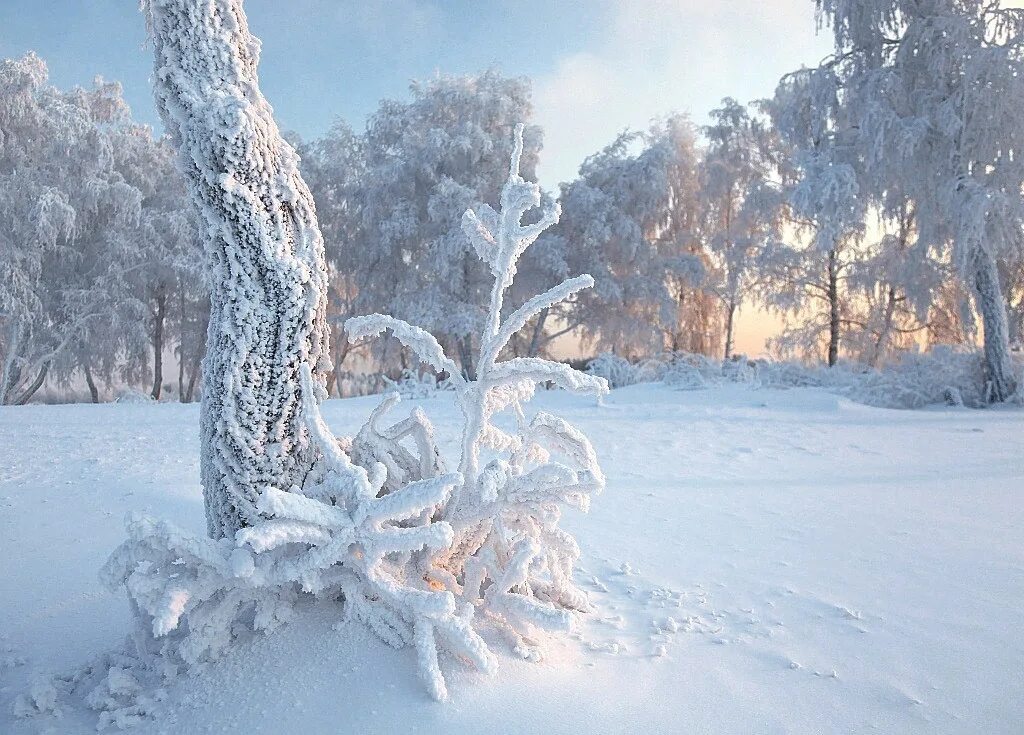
833,308
40,378
730,318
992,305
885,331
9,375
159,318
94,392
268,276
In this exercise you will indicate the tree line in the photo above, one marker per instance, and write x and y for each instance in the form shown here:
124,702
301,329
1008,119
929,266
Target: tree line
874,201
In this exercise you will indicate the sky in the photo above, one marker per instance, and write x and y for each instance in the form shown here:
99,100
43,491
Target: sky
597,66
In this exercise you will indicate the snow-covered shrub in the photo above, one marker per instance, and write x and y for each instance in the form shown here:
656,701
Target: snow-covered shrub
680,369
738,369
616,370
425,557
684,376
942,375
133,395
788,374
620,372
414,385
690,371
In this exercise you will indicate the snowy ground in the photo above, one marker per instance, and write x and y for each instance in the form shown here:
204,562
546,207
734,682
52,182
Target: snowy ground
763,561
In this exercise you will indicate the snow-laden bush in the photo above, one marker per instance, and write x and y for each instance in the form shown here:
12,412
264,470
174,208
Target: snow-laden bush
414,385
940,376
620,372
916,379
617,371
425,557
682,370
133,395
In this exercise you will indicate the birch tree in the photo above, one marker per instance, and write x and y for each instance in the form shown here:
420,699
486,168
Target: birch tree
630,220
810,275
427,161
59,192
933,92
334,166
741,204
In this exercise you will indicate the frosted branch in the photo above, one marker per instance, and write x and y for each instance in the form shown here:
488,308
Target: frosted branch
421,342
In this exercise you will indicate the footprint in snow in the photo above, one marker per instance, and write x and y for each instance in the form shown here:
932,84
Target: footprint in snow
646,620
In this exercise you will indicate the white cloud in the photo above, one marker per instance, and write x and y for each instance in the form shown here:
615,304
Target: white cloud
654,57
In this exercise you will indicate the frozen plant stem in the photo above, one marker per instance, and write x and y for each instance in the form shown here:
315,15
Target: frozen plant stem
512,241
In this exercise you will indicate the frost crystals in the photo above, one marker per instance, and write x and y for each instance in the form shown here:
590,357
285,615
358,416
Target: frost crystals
425,557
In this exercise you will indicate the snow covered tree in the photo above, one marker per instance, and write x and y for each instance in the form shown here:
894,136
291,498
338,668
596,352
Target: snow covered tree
129,269
630,220
1012,280
100,238
61,198
156,285
930,94
741,204
334,167
883,280
268,276
425,557
825,210
427,161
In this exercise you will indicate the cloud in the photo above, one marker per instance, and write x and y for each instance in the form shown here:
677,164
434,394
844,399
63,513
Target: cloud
648,58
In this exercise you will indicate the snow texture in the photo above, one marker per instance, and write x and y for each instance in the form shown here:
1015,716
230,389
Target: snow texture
807,535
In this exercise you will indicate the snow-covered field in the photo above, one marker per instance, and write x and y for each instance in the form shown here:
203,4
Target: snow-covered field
762,561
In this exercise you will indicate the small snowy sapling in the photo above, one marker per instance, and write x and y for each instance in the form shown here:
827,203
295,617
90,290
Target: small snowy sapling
425,557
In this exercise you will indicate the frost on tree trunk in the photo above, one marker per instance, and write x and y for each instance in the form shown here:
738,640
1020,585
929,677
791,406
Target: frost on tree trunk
730,318
159,317
992,305
268,276
833,308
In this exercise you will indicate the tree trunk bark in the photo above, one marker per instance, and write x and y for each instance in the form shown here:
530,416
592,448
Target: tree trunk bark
181,375
268,276
192,375
730,316
335,377
181,342
886,330
11,373
998,365
465,347
332,379
159,317
538,330
36,385
94,392
833,308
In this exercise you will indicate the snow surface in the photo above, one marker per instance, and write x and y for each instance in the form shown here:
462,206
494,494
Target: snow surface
762,561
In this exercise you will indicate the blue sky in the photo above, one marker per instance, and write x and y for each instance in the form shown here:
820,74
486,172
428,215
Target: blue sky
598,66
